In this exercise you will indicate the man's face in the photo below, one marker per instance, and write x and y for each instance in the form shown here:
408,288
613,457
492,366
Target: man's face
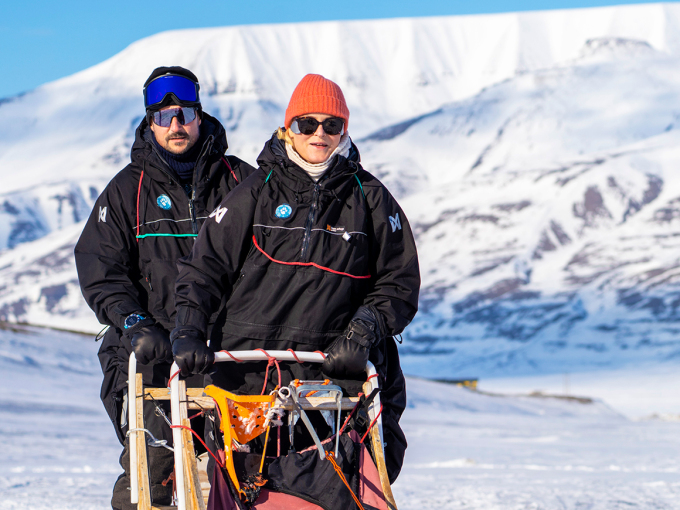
177,138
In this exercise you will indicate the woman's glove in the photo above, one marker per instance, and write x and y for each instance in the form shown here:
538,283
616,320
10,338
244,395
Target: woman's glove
348,354
150,343
192,355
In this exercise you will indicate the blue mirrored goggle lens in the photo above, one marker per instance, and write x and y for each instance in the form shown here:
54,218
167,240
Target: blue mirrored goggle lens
182,87
184,116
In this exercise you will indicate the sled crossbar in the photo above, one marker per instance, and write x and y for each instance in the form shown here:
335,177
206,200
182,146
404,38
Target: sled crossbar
197,399
189,493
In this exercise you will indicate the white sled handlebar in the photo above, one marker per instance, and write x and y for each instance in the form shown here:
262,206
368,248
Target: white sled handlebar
133,426
307,357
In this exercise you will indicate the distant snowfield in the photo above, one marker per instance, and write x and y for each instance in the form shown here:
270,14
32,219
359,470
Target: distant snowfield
639,392
466,450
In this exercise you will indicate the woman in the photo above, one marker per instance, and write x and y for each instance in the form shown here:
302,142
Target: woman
311,252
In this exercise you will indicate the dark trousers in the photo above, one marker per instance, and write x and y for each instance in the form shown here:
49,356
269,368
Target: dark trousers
160,462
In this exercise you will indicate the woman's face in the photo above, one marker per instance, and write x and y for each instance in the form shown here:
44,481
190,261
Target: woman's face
316,148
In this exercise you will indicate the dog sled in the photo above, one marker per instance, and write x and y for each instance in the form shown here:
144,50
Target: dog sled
346,470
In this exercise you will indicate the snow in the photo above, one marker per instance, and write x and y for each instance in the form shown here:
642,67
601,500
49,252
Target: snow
474,451
59,450
467,449
640,392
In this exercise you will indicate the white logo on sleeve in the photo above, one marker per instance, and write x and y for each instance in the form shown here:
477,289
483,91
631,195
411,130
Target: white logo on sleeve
395,222
218,213
102,214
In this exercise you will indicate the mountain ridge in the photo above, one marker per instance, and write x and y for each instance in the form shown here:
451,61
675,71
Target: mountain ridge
532,152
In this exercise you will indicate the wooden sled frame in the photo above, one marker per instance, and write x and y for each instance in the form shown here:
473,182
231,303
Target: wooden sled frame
188,487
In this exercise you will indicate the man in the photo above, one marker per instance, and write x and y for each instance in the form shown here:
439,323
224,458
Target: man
143,222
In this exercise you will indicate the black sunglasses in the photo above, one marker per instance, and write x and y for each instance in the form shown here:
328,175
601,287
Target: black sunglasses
309,125
184,116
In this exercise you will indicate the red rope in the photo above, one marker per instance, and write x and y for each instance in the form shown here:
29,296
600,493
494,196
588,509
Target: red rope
294,355
307,264
349,416
230,169
139,190
372,423
172,377
201,440
371,377
200,413
271,361
233,357
322,354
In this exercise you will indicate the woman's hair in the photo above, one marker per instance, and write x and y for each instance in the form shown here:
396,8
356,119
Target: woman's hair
286,135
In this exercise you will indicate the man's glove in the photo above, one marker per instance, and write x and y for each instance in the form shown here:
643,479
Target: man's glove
191,353
348,354
150,343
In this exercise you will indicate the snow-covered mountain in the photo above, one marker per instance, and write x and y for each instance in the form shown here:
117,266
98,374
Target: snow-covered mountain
534,154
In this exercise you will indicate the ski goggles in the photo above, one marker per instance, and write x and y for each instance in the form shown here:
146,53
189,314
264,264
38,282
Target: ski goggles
181,87
309,125
184,114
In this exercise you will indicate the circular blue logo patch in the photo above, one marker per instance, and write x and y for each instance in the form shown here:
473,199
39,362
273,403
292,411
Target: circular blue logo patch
283,211
164,202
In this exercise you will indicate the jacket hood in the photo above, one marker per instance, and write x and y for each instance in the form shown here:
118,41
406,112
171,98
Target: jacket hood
274,154
212,132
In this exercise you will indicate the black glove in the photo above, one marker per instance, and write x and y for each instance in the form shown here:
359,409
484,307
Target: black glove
348,354
150,343
192,355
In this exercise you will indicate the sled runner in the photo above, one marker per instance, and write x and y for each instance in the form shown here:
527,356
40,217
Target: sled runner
340,472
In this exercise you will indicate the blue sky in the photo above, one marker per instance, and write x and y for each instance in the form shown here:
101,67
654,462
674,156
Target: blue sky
42,40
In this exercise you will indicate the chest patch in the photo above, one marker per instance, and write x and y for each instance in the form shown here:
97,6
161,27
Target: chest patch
164,202
283,211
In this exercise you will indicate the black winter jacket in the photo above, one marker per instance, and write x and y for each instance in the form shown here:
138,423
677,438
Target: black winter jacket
296,259
141,224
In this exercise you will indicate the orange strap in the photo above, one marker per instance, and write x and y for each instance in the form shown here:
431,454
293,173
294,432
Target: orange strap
331,457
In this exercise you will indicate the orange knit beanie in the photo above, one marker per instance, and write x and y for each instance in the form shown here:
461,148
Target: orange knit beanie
316,94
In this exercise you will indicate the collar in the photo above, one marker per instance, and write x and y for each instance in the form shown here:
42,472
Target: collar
315,171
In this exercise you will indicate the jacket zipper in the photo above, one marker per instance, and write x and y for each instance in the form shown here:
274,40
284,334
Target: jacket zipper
207,147
238,282
192,211
309,224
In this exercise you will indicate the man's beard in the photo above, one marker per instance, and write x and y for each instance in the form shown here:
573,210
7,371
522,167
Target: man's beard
179,136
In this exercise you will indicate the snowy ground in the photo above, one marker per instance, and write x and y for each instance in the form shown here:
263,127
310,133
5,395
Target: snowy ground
57,445
473,451
466,450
